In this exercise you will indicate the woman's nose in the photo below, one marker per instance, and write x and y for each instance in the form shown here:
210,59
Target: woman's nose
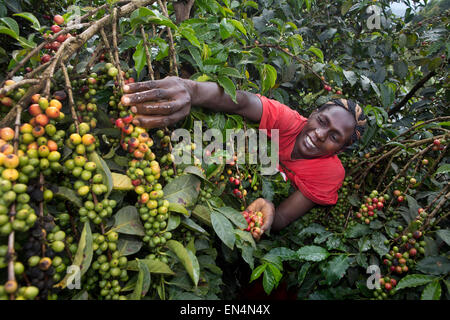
320,133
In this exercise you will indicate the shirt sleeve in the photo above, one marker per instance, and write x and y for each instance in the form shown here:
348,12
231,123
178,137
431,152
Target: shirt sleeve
276,115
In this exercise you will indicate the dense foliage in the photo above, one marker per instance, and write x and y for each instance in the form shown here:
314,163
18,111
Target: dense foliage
84,190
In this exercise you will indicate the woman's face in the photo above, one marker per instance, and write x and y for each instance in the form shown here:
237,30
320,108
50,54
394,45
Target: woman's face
325,133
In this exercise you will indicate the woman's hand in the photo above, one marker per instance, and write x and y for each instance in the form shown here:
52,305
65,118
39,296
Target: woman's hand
158,103
268,210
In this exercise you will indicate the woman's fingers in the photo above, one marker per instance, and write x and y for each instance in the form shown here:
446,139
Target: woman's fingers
158,108
150,122
256,205
146,96
140,86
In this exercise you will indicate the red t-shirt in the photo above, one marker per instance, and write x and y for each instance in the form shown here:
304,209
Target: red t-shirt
317,179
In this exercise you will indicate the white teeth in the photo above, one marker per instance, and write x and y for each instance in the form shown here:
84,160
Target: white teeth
309,142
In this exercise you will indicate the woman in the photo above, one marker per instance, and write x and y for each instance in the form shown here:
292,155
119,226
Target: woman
307,147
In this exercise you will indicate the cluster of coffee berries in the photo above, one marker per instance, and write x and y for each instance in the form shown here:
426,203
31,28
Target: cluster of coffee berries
97,212
143,175
372,206
206,194
89,178
136,141
8,100
24,217
155,214
82,142
402,257
386,289
254,221
44,266
54,46
438,144
42,110
338,213
109,264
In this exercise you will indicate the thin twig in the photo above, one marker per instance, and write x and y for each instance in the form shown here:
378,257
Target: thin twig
173,60
5,90
93,58
444,190
147,54
116,49
411,93
406,167
436,210
71,100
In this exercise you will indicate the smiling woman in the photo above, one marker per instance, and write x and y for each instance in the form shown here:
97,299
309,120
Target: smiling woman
307,146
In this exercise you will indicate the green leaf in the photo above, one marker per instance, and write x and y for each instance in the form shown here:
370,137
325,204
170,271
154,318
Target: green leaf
444,235
401,68
173,222
256,273
187,258
129,245
145,15
245,236
13,5
327,34
432,291
83,257
69,194
357,231
302,273
317,52
30,17
154,266
285,254
272,276
377,242
176,207
445,168
9,32
296,43
183,190
226,29
143,281
189,34
335,269
351,77
121,182
11,24
387,95
228,85
140,60
104,170
203,214
231,72
238,25
127,221
312,253
82,295
268,77
195,171
191,225
234,216
414,280
434,265
223,228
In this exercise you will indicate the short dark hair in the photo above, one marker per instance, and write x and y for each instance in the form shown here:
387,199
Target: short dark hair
355,110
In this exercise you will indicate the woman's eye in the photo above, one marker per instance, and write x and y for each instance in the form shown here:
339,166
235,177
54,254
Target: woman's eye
320,120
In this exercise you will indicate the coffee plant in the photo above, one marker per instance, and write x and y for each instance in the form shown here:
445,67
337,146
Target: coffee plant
94,207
